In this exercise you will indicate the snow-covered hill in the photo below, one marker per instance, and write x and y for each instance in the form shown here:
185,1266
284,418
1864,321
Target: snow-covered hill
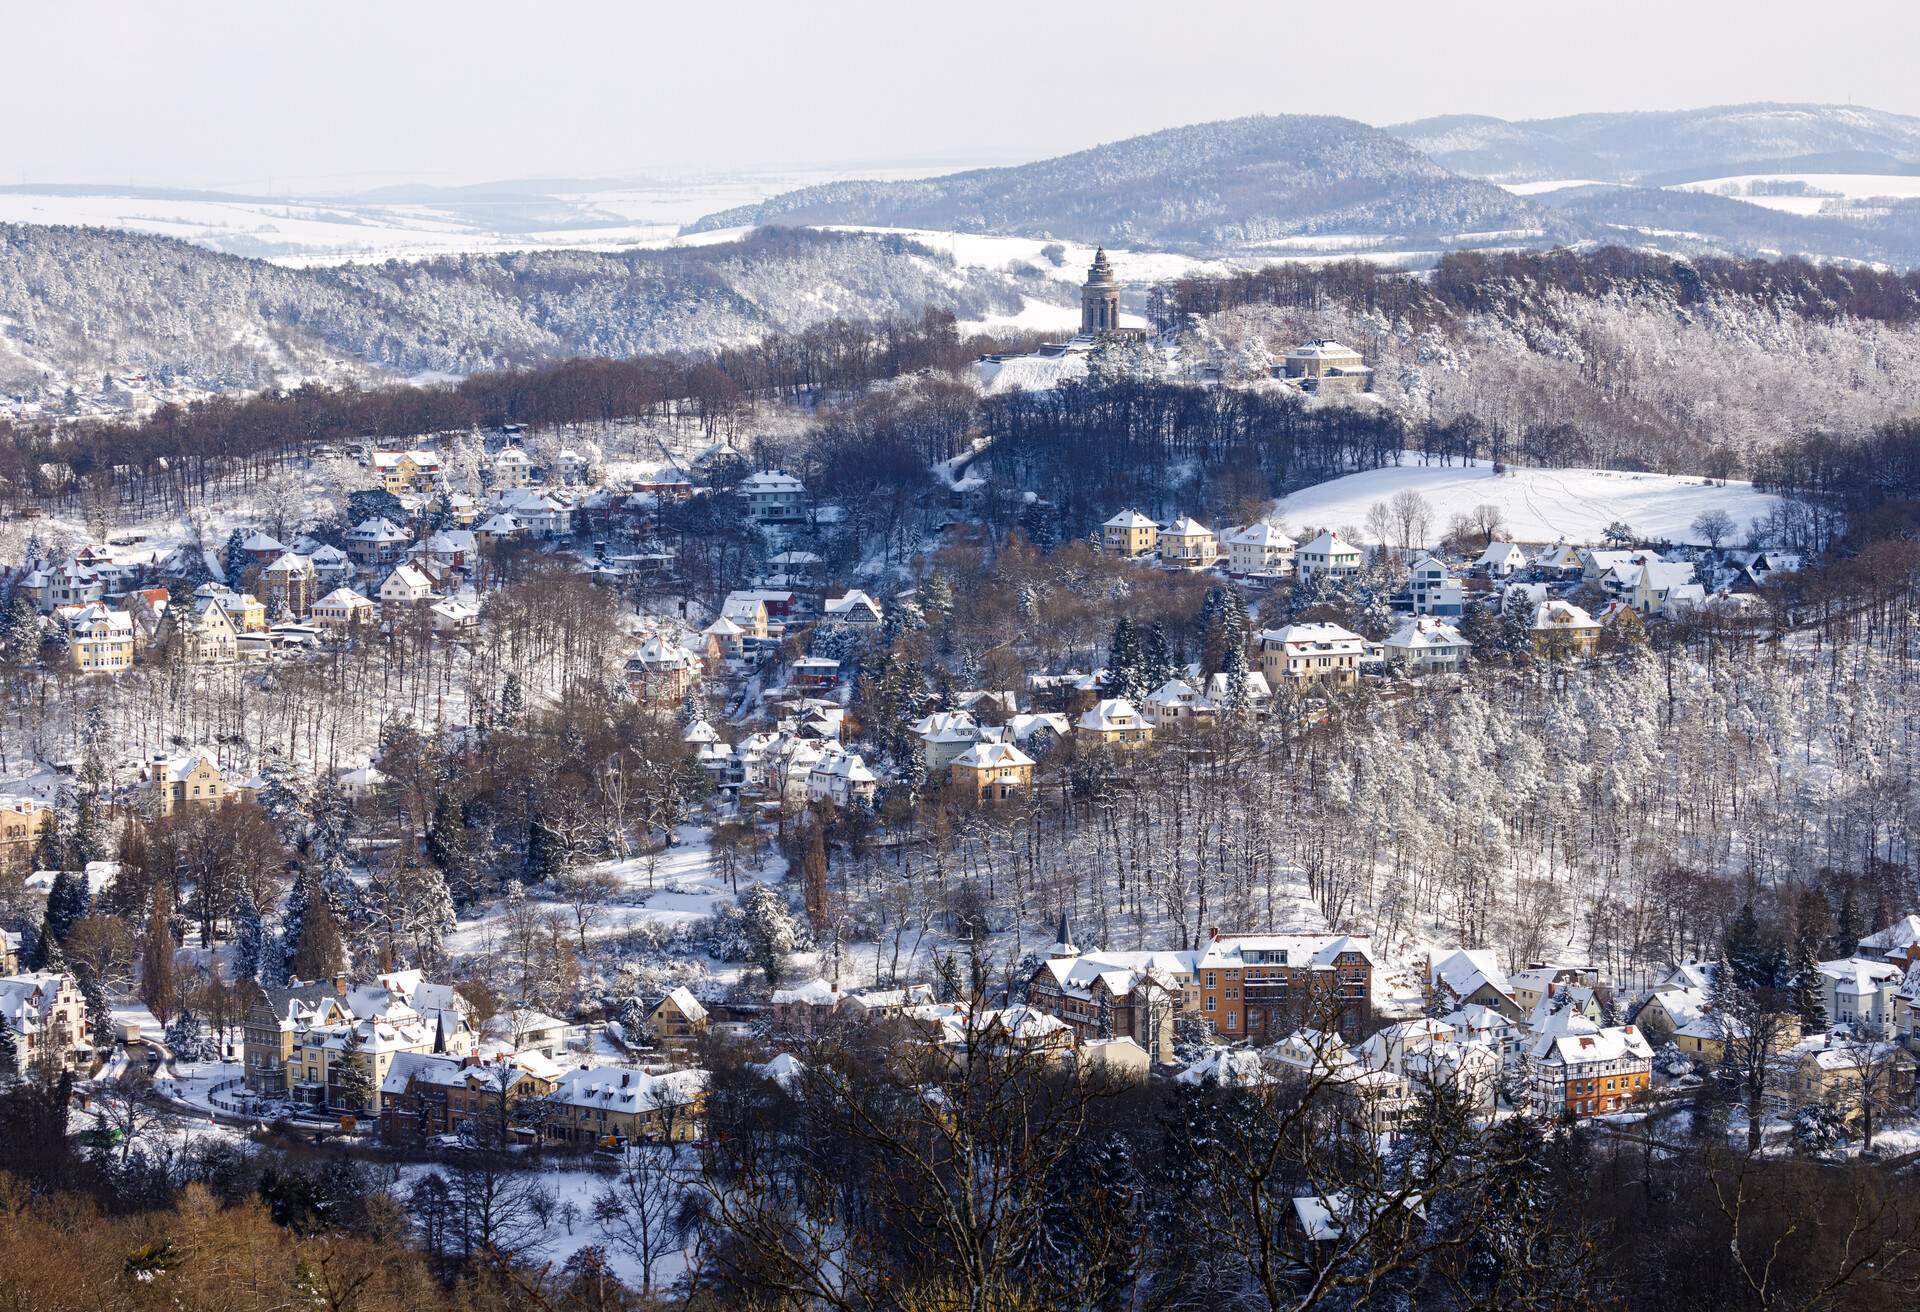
1211,186
1537,505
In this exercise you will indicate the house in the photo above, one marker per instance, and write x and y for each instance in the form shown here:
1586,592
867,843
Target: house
1175,704
22,819
1561,629
1114,723
1839,1075
1328,556
1501,560
1253,685
677,1019
804,1007
408,585
450,548
661,671
509,468
1129,533
1324,365
1859,989
945,735
856,608
773,496
1471,977
343,1065
538,514
990,773
331,566
1430,1055
400,472
205,633
498,528
343,611
1898,943
296,1038
1575,1068
47,1013
263,548
246,612
69,584
1536,983
1301,654
1560,561
454,615
1426,646
612,1106
1189,544
1259,548
376,541
814,672
289,584
1102,995
1261,986
1484,1024
425,1094
841,778
194,779
100,639
1597,566
1432,589
748,611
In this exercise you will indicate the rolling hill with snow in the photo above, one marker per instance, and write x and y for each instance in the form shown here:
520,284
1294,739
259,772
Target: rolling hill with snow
1537,505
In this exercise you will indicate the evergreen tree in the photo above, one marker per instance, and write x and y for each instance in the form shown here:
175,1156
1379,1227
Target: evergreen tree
1743,950
1157,659
53,842
252,944
1847,930
156,958
545,855
91,839
1809,1003
319,954
513,703
1126,664
234,560
300,900
99,1010
1239,701
66,903
19,630
9,1049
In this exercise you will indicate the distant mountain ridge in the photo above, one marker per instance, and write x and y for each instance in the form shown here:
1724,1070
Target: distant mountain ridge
79,301
1234,183
1667,146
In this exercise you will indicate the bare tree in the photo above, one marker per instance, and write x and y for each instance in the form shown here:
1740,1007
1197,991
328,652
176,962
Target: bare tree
640,1213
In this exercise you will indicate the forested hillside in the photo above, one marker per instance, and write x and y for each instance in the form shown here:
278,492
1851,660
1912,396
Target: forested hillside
1616,358
1231,183
79,301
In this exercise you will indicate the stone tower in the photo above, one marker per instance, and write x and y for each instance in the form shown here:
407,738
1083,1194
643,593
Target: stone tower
1099,298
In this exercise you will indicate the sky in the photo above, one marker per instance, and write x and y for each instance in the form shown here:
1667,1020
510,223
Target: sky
267,95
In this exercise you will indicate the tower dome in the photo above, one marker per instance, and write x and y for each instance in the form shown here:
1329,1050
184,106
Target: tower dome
1100,297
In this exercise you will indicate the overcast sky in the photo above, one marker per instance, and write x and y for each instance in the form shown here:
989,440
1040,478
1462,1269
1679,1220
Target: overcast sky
241,93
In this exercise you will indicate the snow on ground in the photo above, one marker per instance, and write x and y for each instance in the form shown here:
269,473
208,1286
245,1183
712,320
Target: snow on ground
1851,186
1551,184
972,250
1032,372
1538,505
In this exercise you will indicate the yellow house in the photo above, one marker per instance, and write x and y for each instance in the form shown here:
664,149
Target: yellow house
21,820
1114,723
325,1053
1561,628
1311,653
677,1019
987,774
406,471
182,781
101,640
1130,533
613,1105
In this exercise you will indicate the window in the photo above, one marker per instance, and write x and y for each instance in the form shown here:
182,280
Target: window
1210,1004
1229,1022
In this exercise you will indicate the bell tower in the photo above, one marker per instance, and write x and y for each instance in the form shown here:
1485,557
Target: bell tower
1099,298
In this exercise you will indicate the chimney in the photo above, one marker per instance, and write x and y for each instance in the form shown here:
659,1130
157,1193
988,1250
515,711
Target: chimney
1213,933
340,985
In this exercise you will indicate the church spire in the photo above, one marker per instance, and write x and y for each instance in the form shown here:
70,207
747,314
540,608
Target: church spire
1063,946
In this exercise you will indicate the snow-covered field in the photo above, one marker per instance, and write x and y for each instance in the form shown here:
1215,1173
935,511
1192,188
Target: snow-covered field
1852,186
1538,505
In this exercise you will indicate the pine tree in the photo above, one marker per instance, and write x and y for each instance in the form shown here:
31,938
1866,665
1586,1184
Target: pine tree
513,703
1809,1003
156,958
544,858
187,1037
1847,931
19,630
234,560
1157,659
1239,701
319,954
9,1049
1743,950
813,871
91,839
252,944
99,1010
53,842
1126,667
300,900
66,903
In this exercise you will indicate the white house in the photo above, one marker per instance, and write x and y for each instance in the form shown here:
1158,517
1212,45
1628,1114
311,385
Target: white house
406,586
1259,548
1311,653
1175,702
1859,989
945,735
1500,560
856,608
842,778
1433,590
1426,646
454,615
773,496
510,468
376,541
1329,556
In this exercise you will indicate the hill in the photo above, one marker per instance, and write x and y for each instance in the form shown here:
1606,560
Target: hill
1670,146
1537,505
1229,184
77,302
